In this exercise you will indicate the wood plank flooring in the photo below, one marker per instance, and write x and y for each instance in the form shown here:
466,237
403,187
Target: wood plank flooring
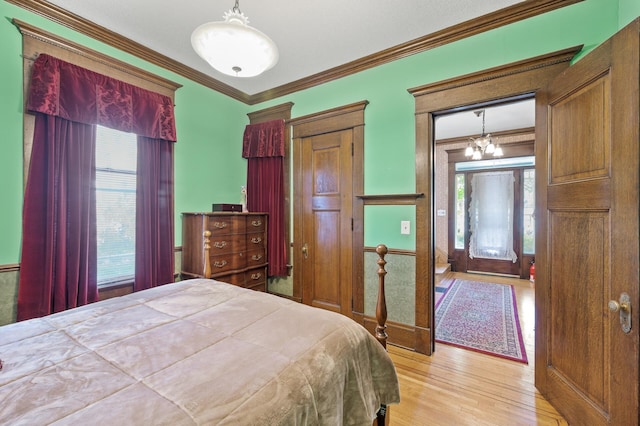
460,387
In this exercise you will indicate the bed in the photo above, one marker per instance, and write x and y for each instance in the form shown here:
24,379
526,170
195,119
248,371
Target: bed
197,351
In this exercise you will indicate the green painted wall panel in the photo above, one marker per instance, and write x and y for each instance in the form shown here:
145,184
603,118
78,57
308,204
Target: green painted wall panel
382,226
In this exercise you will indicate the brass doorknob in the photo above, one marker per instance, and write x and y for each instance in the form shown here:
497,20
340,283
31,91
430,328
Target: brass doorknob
305,250
624,307
615,306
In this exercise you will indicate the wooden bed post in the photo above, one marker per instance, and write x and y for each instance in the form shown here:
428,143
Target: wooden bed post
382,417
381,306
207,257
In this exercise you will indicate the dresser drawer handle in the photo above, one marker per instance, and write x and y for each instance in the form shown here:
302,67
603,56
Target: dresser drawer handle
256,223
256,276
219,264
220,225
256,240
256,257
220,244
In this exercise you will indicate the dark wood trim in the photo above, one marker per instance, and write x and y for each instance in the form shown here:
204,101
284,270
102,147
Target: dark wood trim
493,85
281,112
513,149
107,292
349,116
346,117
275,112
508,15
389,199
459,139
369,249
501,71
399,334
50,38
83,26
11,267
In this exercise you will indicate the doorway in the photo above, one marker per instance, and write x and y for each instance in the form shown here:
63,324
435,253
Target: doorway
327,176
480,206
586,358
482,88
484,205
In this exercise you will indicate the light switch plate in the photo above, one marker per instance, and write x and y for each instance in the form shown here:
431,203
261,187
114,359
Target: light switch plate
405,227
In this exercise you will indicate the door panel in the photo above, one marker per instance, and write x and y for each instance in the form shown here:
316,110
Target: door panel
587,238
326,220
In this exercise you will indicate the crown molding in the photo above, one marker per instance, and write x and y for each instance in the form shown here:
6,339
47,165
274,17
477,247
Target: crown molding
52,39
517,12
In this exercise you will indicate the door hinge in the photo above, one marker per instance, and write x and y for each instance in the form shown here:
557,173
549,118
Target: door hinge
352,224
352,149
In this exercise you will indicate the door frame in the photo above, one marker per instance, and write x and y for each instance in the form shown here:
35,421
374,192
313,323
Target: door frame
336,119
481,88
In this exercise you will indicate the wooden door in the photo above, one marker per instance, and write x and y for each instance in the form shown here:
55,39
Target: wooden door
498,266
587,239
326,235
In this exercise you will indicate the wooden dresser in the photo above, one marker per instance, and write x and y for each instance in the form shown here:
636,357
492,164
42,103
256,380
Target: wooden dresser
229,247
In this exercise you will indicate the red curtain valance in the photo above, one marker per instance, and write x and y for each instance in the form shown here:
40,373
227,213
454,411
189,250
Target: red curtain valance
264,139
77,94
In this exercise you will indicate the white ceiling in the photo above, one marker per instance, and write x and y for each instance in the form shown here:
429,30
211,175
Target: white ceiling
312,37
500,118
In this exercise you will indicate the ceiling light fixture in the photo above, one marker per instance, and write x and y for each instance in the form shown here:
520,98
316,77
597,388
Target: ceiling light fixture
233,47
484,144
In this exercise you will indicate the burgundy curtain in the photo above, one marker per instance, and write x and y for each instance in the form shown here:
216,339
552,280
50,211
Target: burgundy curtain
263,146
65,90
58,261
154,214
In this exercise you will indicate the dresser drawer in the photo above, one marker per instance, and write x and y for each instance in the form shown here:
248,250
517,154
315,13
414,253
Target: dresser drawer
227,224
227,262
256,224
227,243
255,277
256,257
235,279
261,286
255,241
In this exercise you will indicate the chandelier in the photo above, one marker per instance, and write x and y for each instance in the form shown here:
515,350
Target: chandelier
233,47
484,144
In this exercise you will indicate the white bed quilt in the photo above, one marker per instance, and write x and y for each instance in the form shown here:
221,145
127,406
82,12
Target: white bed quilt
193,352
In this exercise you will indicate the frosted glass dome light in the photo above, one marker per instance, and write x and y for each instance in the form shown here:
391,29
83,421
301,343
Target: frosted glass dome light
233,47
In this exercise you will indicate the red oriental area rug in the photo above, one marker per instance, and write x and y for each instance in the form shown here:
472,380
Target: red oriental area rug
482,317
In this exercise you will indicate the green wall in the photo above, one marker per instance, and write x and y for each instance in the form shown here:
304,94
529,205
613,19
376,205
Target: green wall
208,165
389,117
628,11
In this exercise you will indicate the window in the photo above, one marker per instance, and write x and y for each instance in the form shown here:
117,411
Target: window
528,220
461,215
116,163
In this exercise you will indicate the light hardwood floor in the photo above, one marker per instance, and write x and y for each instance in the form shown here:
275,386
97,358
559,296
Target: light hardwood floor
461,387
